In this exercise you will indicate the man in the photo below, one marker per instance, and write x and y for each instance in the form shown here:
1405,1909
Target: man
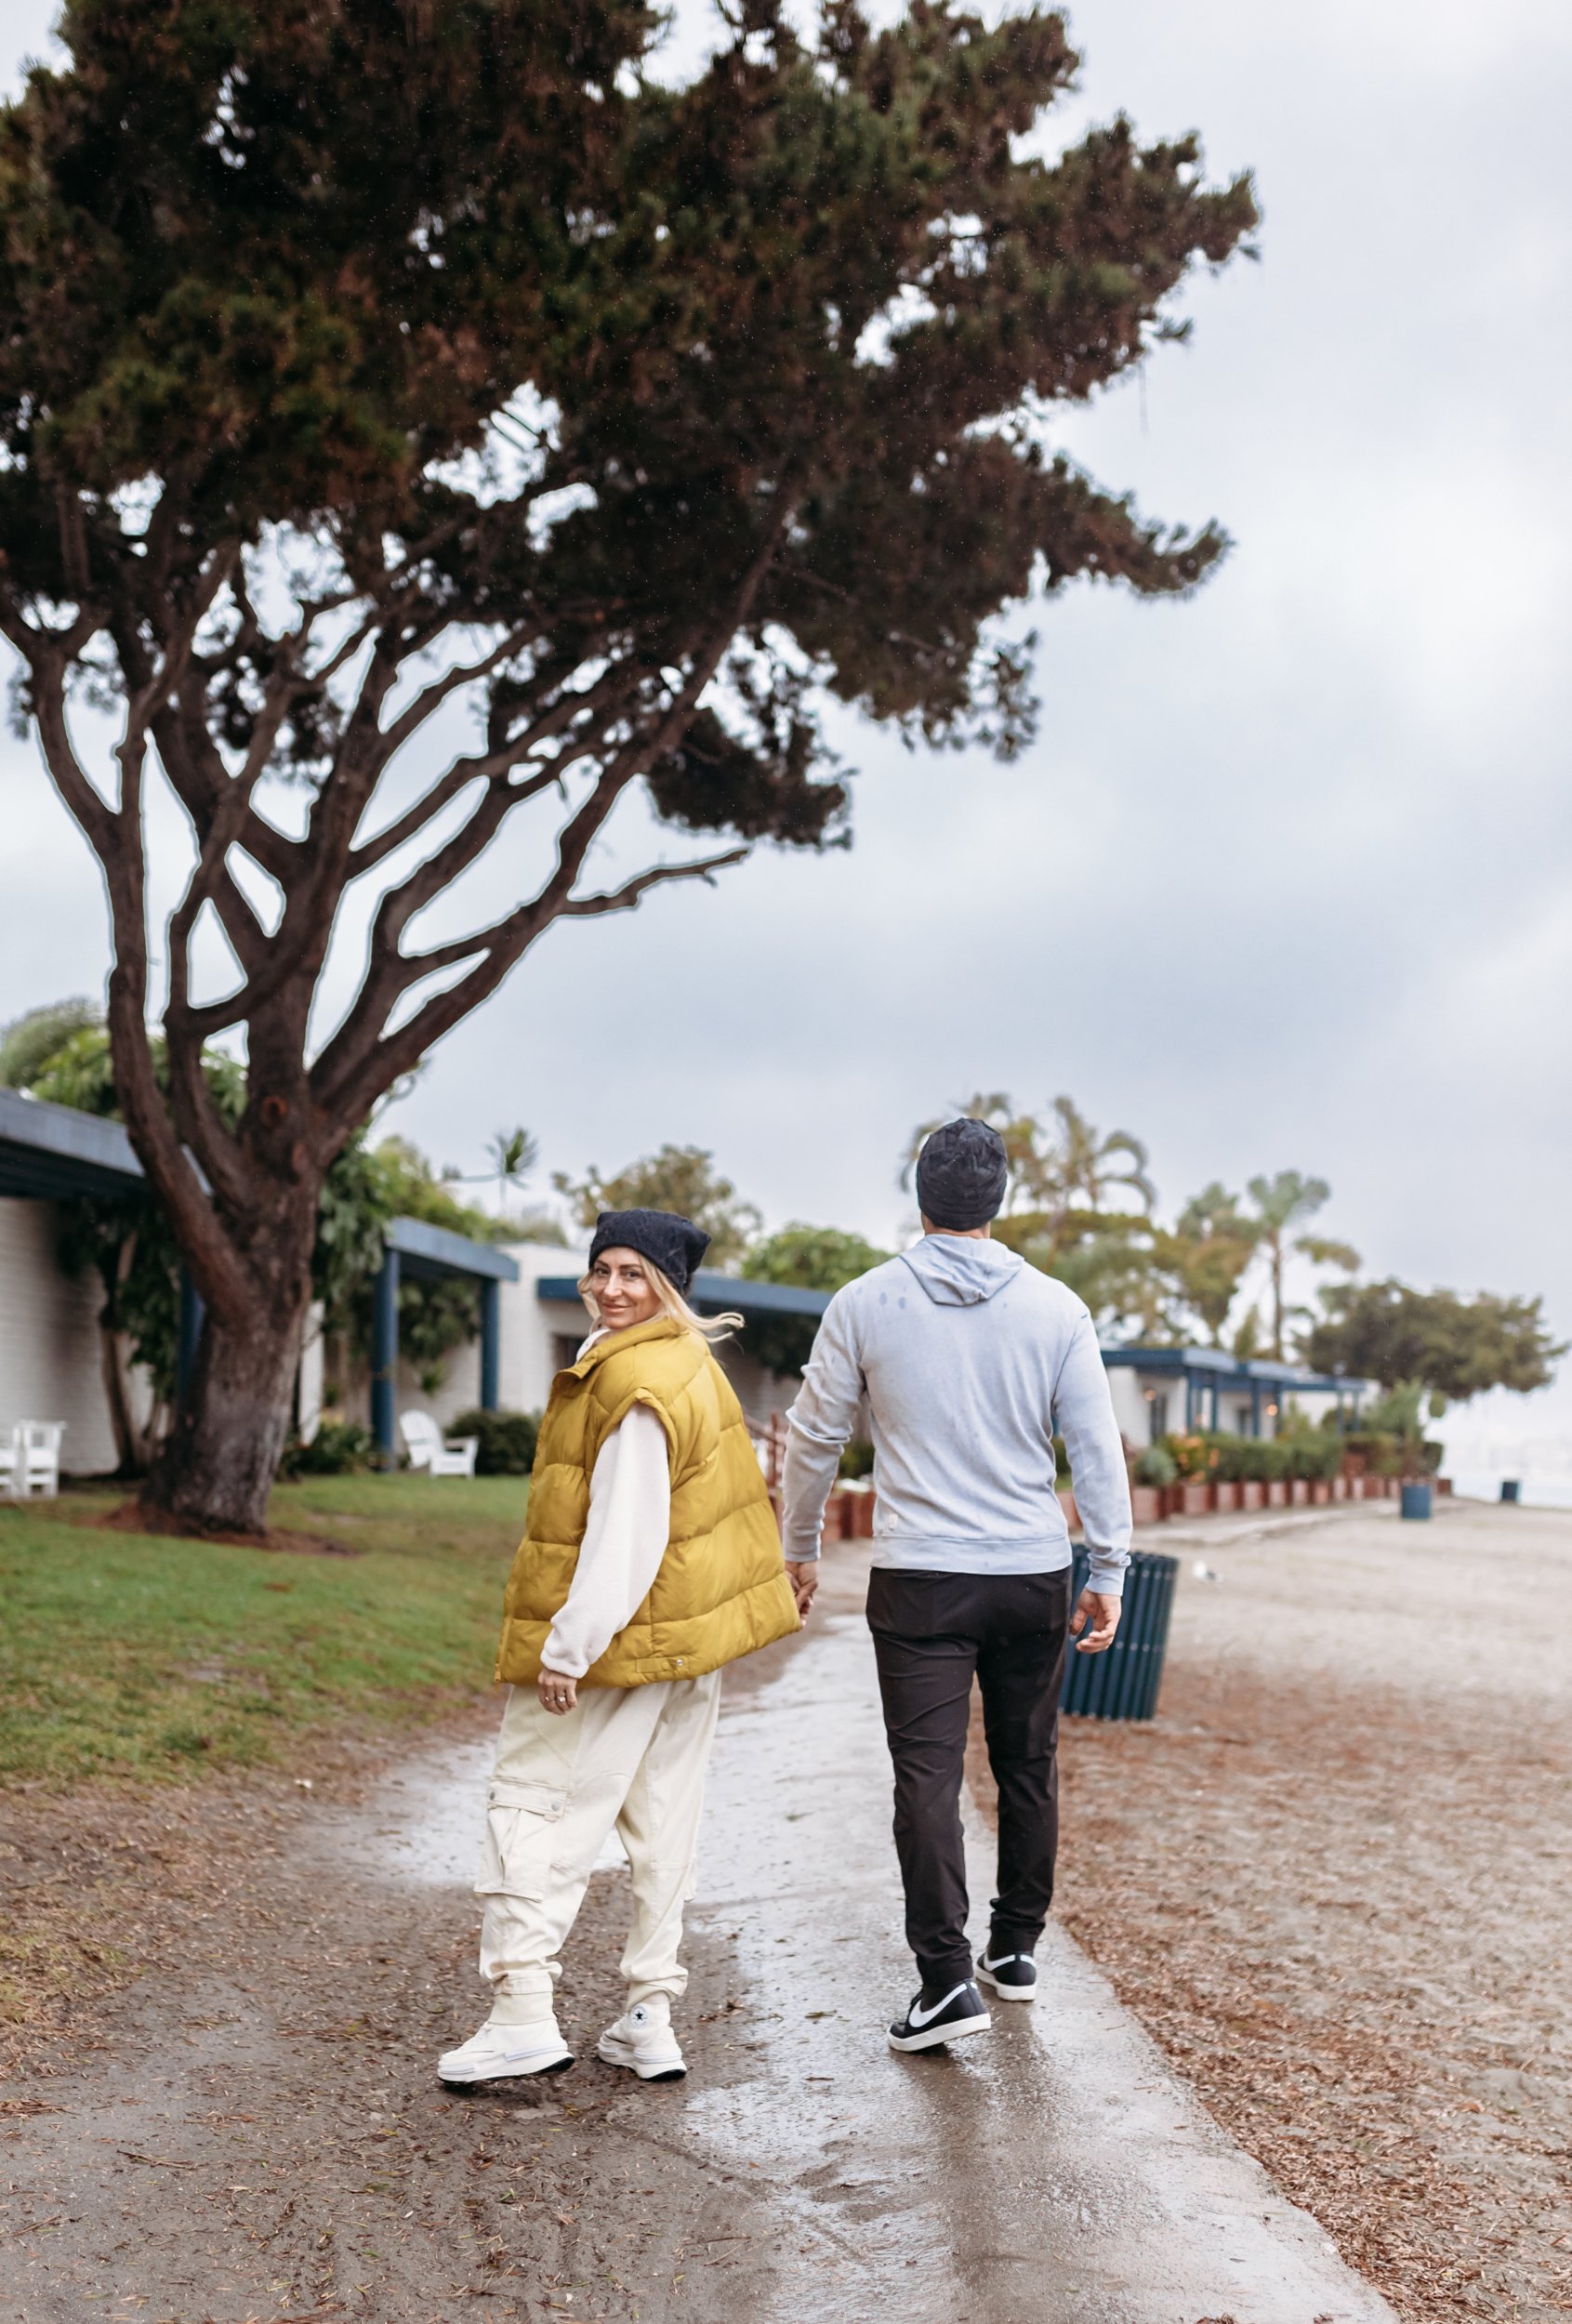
968,1358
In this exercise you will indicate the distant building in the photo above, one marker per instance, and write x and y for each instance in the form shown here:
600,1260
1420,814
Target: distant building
53,1354
1161,1392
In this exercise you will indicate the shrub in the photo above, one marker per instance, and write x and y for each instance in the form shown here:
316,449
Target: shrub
856,1460
339,1449
1194,1458
1155,1466
507,1440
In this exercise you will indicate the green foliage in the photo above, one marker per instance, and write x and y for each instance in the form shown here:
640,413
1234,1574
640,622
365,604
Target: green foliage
1301,1450
507,1440
817,1259
157,1660
1206,1254
1395,1453
29,1041
1455,1347
682,1179
1155,1465
856,1460
339,1449
1281,1202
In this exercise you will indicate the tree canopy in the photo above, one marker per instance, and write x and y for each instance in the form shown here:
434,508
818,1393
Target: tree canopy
364,367
683,1179
1454,1347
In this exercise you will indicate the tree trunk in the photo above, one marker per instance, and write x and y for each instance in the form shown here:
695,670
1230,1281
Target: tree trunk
216,1467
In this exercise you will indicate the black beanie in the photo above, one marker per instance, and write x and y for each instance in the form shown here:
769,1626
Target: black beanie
674,1245
961,1174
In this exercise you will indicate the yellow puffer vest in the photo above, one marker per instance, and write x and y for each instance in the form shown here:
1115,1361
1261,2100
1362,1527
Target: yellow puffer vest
722,1590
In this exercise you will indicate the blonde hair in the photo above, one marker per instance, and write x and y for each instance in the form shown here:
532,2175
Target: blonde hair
709,1327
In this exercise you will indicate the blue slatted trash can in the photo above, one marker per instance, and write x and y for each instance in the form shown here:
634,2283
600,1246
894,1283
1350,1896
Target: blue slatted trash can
1123,1683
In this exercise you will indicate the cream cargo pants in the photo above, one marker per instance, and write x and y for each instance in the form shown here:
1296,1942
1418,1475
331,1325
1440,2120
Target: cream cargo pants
630,1759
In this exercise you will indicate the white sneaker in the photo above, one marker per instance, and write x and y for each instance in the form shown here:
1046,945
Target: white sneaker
644,2042
498,2053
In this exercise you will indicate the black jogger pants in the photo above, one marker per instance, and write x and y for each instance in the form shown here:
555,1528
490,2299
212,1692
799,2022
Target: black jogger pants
930,1633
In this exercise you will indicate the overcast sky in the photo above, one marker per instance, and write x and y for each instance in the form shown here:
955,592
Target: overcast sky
1287,880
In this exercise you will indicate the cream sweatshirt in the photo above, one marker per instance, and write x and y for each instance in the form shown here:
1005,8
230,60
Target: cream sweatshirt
625,1539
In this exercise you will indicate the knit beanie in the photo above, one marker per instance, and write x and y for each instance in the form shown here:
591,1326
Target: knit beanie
961,1174
673,1244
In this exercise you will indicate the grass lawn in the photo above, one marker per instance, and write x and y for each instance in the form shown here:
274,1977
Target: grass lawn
125,1655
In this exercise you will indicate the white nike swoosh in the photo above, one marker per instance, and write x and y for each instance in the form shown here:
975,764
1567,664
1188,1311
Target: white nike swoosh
921,2017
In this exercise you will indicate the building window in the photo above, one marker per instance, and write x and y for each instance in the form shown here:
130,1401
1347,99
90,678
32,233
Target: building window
1157,1405
564,1349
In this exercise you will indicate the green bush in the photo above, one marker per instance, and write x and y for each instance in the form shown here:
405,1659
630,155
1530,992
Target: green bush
507,1440
339,1449
1155,1466
856,1460
1218,1454
1380,1452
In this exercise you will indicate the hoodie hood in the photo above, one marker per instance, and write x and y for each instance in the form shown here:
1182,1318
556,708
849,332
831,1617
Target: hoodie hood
961,1270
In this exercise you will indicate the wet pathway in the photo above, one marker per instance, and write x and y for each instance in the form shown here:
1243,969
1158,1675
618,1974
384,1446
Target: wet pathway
1053,2168
253,2135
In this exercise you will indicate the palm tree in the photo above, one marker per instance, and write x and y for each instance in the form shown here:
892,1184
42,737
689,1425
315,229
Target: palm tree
1055,1168
1281,1202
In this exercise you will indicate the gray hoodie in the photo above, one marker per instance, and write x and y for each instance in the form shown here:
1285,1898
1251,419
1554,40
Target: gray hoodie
970,1360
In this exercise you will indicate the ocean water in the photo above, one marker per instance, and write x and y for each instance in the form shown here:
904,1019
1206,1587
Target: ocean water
1485,1485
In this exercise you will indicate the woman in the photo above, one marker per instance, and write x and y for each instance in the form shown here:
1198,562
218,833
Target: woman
650,1559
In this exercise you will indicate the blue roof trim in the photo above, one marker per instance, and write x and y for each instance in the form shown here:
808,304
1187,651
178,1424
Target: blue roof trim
49,1150
437,1250
1229,1371
711,1292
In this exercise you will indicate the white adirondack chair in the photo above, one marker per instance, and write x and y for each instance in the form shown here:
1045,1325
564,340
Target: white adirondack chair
35,1458
427,1448
8,1459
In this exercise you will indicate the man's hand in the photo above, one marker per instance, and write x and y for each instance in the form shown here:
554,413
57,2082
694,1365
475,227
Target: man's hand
558,1692
1104,1614
803,1576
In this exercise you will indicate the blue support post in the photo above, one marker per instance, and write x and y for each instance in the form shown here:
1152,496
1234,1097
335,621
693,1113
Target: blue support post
193,1311
385,1357
1255,1408
490,1338
1214,1407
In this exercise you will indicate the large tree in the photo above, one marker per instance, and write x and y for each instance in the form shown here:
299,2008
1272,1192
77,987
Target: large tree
359,363
1454,1347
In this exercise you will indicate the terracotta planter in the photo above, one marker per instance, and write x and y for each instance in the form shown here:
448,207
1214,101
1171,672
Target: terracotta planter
1277,1493
1339,1488
1197,1498
1146,1504
1320,1492
1227,1499
1252,1494
1299,1492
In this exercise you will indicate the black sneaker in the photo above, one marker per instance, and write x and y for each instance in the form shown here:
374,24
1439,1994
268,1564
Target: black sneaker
948,2017
1013,1976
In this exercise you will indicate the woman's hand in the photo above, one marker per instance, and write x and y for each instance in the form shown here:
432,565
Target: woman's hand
803,1576
558,1692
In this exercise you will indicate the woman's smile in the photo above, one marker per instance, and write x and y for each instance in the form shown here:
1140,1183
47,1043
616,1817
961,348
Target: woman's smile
620,1286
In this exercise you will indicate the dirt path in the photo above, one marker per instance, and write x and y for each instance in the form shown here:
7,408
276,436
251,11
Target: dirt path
1334,1878
255,2131
252,2133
